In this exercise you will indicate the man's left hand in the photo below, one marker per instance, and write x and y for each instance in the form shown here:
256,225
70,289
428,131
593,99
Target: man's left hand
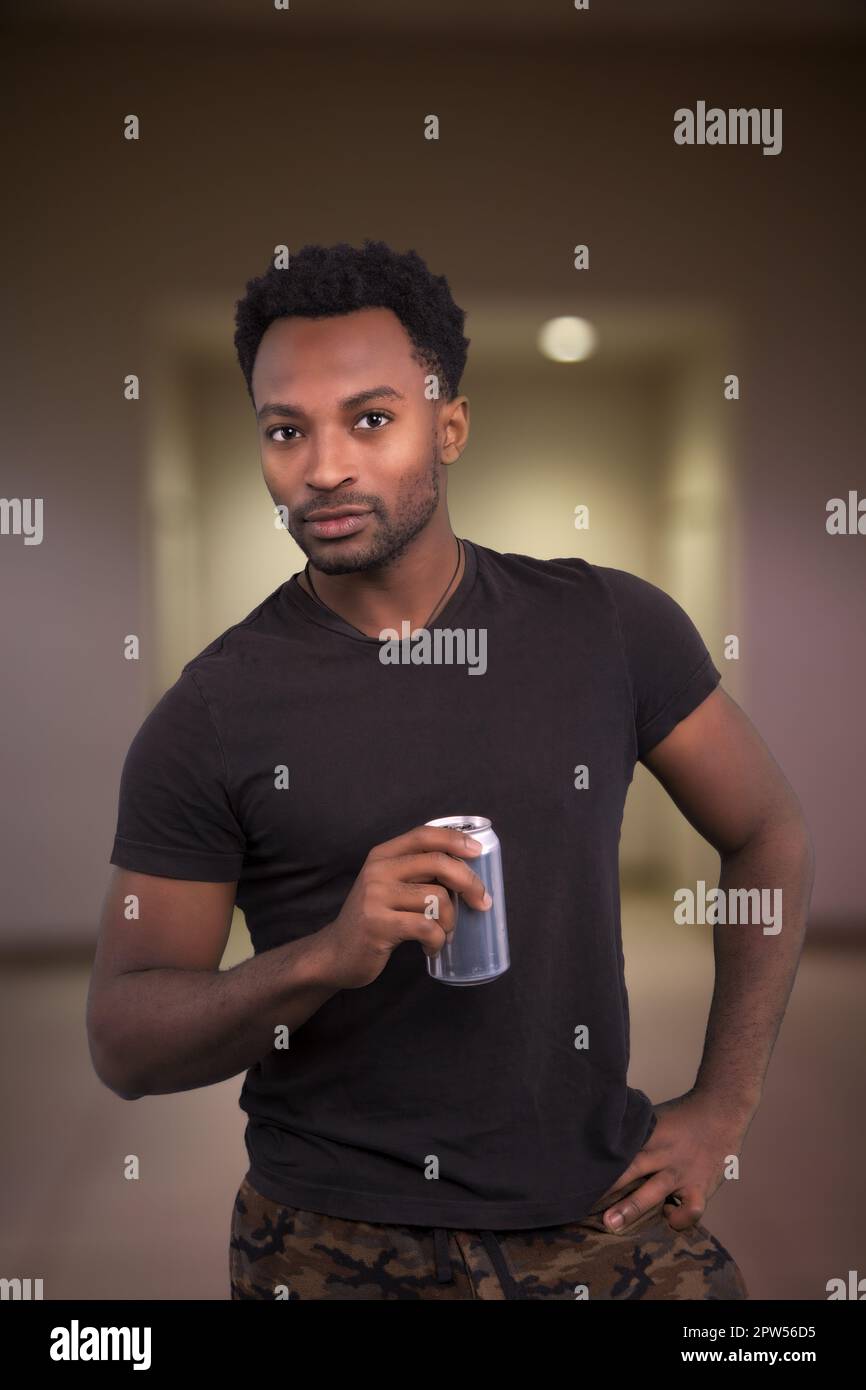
685,1158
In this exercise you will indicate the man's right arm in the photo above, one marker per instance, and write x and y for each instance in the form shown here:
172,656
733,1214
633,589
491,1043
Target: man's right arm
161,1015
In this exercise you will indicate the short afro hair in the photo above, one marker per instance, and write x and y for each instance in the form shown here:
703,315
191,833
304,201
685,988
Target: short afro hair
322,281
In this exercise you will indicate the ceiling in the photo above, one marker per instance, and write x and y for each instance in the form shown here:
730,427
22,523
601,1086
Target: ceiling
502,331
493,20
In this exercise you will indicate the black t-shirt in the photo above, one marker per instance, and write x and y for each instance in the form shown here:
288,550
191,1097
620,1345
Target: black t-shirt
566,665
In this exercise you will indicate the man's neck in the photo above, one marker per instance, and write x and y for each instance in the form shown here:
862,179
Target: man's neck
407,590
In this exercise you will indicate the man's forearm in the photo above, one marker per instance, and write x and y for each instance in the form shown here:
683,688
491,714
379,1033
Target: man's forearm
173,1030
755,971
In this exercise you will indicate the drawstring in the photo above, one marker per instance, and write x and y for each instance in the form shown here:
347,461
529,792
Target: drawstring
494,1250
445,1273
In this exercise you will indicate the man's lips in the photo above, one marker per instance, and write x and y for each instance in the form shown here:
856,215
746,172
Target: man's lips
337,521
327,513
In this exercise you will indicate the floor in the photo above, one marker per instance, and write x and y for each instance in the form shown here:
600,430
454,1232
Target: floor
793,1220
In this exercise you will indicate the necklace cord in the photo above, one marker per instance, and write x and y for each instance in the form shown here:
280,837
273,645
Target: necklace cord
435,610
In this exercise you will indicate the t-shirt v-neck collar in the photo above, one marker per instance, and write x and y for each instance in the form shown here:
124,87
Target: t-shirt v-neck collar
316,613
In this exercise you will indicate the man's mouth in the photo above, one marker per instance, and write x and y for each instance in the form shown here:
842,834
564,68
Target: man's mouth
333,522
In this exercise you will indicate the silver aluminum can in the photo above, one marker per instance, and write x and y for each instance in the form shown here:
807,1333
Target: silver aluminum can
478,947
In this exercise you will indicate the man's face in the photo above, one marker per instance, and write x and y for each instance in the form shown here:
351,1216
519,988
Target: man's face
381,453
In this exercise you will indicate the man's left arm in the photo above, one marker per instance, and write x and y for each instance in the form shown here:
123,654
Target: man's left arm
723,778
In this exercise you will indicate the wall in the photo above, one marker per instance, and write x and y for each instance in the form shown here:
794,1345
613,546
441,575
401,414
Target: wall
540,149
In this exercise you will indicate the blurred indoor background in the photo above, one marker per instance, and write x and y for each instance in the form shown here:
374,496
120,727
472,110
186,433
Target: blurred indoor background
261,127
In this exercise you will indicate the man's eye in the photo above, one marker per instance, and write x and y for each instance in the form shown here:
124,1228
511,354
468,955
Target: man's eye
369,414
381,414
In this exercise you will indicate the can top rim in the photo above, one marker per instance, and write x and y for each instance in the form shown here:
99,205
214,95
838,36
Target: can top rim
465,823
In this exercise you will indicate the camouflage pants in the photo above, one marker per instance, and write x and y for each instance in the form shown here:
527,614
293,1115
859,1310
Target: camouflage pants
282,1252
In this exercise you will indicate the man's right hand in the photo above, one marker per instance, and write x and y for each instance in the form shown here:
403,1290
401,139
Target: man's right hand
389,898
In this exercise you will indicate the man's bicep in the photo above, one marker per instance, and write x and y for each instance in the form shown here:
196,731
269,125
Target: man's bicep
149,922
717,769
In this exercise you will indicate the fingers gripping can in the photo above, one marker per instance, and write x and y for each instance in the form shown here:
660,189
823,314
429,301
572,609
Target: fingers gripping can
478,947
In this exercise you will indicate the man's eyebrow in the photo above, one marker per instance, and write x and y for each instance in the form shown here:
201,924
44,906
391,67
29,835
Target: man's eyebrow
373,393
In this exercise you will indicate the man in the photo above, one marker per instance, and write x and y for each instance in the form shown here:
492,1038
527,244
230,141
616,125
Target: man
408,1138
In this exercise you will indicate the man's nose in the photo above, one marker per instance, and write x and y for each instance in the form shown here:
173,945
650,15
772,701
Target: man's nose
328,465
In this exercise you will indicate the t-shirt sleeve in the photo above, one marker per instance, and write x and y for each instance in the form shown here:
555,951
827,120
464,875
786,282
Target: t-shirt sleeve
670,669
175,817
